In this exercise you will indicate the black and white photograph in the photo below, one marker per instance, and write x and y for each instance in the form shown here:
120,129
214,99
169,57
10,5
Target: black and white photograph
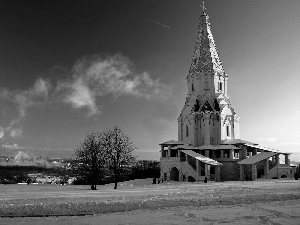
149,112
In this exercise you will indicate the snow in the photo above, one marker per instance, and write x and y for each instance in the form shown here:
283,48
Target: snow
140,202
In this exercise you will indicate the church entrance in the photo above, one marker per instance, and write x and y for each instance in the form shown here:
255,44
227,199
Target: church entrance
174,174
191,179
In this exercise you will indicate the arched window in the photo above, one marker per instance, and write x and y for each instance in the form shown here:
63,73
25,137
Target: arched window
187,131
227,131
193,89
206,85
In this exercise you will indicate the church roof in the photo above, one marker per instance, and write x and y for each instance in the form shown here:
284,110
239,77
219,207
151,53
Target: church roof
173,142
205,147
206,57
257,158
201,157
266,149
216,147
236,141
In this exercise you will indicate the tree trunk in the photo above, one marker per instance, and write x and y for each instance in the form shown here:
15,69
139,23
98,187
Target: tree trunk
116,181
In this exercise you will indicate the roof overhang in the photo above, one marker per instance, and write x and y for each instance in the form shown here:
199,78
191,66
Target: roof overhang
201,158
205,147
257,158
236,141
172,142
265,149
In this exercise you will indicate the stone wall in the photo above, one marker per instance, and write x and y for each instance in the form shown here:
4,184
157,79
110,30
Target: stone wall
229,171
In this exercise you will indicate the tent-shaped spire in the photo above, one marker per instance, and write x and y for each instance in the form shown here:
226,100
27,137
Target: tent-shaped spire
206,57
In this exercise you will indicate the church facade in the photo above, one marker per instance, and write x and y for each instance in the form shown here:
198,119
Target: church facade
209,144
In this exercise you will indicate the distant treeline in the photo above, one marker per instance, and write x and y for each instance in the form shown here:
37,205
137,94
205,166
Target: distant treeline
17,174
141,169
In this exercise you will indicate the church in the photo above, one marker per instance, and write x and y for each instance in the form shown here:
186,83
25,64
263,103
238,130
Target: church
209,144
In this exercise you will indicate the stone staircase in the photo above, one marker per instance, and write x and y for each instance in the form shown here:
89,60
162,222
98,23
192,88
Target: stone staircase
273,172
191,168
192,163
279,170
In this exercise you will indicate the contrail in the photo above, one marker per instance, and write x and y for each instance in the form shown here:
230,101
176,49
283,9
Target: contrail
158,23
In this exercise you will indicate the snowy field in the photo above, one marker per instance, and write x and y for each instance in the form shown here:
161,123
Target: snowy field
140,202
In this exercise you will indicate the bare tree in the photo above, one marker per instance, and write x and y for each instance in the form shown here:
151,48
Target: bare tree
119,150
91,160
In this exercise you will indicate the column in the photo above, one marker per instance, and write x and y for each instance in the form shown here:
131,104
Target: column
207,171
195,130
231,153
180,176
179,130
213,154
242,168
243,151
254,151
286,159
217,173
266,168
276,159
222,154
198,167
254,172
207,153
162,151
169,152
206,129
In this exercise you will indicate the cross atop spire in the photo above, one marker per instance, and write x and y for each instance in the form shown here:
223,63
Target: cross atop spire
203,8
206,57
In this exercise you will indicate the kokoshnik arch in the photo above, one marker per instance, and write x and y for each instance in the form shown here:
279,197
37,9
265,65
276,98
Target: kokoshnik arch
209,143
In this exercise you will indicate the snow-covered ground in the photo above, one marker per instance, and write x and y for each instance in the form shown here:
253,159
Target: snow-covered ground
140,202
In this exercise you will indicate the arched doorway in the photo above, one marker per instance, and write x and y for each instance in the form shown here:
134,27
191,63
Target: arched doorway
191,179
174,174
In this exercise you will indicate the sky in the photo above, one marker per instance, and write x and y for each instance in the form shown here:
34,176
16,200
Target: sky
72,67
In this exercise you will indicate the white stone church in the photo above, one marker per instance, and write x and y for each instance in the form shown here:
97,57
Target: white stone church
209,143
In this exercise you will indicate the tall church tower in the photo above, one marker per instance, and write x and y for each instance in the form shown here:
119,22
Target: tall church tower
207,117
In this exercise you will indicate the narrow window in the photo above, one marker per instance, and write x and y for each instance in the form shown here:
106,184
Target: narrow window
187,131
221,86
227,130
206,85
193,89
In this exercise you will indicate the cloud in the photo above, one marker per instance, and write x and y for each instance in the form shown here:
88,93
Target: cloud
10,131
270,139
13,146
4,93
81,96
23,100
35,95
90,80
41,87
15,132
1,132
95,77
